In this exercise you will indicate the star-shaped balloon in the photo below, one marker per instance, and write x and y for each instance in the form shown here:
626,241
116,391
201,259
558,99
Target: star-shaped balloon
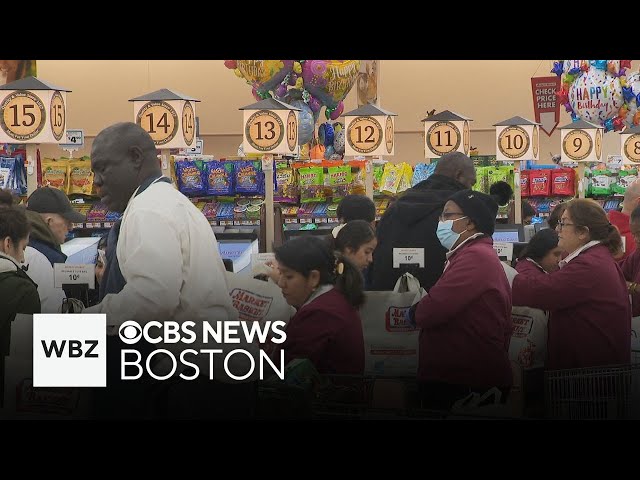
627,93
557,68
567,107
618,123
600,64
562,96
625,63
608,125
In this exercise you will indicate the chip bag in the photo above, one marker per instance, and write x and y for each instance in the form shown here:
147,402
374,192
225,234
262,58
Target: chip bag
80,177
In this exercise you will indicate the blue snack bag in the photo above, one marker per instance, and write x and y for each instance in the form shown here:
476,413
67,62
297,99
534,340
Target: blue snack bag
249,177
190,181
219,177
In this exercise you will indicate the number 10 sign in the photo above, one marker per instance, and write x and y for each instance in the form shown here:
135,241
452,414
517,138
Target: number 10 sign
270,126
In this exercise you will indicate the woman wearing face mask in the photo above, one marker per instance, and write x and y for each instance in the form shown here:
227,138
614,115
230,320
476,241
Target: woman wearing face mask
465,319
326,289
541,255
356,240
590,323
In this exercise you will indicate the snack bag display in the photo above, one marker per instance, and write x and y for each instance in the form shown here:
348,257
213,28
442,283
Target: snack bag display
7,169
524,183
540,183
358,182
405,177
287,190
601,182
378,169
219,177
339,181
189,176
391,178
625,179
54,173
80,177
422,171
563,181
481,184
249,177
311,184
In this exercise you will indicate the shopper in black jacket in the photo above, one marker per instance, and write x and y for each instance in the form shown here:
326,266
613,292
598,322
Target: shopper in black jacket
412,220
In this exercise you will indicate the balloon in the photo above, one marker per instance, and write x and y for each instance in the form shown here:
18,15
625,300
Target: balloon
314,104
328,152
317,152
338,141
264,75
231,64
281,91
574,66
330,81
557,68
337,112
632,92
306,123
596,96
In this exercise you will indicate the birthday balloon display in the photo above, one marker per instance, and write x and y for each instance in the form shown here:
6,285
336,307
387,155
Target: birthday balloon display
306,84
597,91
596,96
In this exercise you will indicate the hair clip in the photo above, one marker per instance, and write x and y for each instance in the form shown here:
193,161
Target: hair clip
340,268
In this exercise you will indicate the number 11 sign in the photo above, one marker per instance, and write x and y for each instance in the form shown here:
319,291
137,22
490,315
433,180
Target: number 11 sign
446,132
270,127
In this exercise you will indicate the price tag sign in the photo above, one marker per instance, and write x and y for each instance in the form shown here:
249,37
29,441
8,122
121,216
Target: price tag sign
264,130
159,120
504,249
64,273
442,138
577,145
364,135
408,256
631,148
23,115
74,139
513,142
197,150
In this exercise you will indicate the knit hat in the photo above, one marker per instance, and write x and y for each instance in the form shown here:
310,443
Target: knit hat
481,208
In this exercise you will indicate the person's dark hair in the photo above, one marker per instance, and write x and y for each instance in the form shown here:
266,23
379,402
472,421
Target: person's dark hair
102,243
540,244
555,215
588,214
304,254
356,207
6,199
528,210
501,192
635,215
13,224
353,235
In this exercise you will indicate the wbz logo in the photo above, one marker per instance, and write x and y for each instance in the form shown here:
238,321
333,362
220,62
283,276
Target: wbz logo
69,350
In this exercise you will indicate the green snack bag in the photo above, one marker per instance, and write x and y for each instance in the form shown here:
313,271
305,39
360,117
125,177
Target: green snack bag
339,181
311,184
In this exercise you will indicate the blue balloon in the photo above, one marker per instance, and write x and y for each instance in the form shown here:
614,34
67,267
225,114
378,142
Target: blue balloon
328,152
627,93
601,64
306,122
557,68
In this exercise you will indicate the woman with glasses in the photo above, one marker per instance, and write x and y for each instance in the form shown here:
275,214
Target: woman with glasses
465,319
590,322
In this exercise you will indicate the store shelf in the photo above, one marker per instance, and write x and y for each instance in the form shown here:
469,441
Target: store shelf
234,223
92,225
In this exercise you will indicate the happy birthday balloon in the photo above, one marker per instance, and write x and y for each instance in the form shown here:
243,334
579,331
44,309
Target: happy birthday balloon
329,81
596,96
264,75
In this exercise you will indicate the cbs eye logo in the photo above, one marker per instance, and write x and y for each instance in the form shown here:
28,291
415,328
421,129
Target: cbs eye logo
130,332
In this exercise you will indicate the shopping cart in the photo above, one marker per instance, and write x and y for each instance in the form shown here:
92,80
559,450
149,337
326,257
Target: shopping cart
598,393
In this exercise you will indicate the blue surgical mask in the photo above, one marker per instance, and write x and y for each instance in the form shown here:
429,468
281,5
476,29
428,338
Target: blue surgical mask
446,235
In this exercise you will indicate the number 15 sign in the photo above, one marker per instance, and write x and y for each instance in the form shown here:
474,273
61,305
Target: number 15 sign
270,126
32,111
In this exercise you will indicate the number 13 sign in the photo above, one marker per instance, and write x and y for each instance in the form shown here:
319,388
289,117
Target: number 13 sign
270,126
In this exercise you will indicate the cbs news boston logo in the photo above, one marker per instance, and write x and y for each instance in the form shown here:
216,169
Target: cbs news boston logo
69,350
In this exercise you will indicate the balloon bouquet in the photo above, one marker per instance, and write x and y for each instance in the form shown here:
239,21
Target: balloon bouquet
600,92
308,85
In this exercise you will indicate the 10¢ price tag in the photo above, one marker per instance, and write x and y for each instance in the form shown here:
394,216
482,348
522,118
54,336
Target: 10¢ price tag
408,256
77,274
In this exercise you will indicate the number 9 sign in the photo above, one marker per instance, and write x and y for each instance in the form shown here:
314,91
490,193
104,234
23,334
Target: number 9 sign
577,145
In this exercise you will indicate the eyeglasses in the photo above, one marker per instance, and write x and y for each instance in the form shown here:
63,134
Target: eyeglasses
445,216
561,225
